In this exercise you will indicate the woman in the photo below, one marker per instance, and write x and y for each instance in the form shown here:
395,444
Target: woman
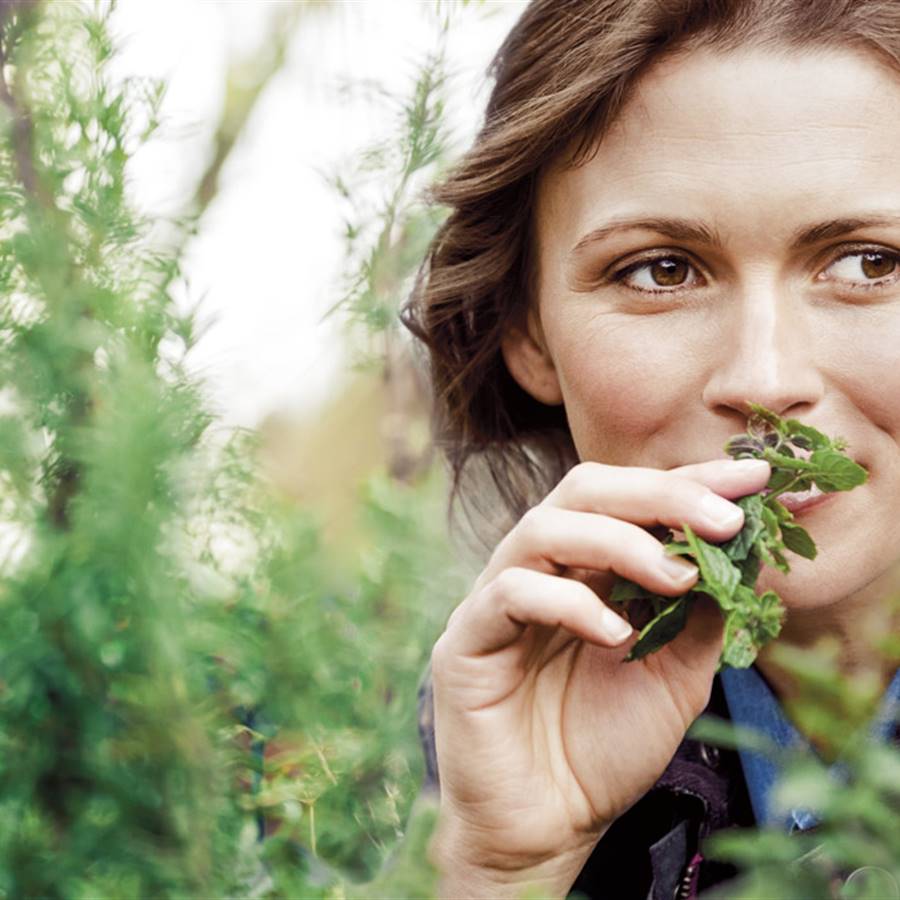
673,208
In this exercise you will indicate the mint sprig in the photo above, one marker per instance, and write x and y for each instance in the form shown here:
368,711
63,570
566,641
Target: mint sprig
729,571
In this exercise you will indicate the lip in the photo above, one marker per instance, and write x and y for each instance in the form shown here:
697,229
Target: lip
804,501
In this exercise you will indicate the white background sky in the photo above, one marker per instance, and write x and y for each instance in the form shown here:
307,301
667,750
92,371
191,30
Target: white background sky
265,264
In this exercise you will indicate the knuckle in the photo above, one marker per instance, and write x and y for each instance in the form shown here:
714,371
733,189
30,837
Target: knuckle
583,593
506,585
534,525
453,617
440,655
682,491
582,477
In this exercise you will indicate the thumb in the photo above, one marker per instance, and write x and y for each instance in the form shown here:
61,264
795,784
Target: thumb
693,657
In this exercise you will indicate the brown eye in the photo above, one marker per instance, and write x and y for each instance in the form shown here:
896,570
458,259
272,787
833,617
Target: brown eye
669,272
662,275
878,265
865,269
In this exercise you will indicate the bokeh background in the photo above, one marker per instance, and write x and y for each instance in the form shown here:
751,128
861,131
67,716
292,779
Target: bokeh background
280,97
225,539
277,142
267,102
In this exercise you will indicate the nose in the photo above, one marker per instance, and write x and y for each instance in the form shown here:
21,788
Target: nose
766,352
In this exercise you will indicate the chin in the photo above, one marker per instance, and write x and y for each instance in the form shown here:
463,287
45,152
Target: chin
818,585
804,587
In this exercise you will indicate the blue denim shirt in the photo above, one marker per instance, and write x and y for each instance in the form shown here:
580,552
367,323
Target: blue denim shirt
752,704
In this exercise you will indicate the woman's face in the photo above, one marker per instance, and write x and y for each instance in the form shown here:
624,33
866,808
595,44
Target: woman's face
736,237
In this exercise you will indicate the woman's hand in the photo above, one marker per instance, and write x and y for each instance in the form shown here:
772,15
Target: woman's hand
543,735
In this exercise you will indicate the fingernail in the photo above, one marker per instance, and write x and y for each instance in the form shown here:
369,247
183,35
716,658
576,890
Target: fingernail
720,512
616,628
750,466
677,570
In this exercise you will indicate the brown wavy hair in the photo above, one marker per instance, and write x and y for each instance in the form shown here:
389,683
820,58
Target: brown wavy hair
560,78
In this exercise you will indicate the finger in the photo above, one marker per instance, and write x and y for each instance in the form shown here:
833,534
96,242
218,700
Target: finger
496,616
552,539
728,477
653,497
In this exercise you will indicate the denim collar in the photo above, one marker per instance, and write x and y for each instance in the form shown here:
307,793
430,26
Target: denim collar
752,704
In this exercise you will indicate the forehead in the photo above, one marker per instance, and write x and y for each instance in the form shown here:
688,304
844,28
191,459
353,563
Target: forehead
750,139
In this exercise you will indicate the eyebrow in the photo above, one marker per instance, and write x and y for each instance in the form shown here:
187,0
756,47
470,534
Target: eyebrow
698,232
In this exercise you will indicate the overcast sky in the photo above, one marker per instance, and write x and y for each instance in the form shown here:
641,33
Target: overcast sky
265,265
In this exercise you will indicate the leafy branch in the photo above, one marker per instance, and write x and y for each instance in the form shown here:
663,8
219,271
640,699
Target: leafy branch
729,571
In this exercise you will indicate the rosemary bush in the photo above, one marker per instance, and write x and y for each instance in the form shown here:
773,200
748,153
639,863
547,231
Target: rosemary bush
196,697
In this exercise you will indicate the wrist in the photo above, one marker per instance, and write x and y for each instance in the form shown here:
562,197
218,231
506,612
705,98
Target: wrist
467,868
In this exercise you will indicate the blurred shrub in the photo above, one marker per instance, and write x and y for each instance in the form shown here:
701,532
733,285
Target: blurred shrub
185,669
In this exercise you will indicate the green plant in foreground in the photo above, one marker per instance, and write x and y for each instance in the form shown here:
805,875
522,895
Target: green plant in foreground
728,571
854,850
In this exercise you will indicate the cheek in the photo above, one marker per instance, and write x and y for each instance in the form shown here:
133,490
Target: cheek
864,361
623,383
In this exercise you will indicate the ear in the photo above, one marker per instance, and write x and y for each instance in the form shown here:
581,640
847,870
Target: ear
529,362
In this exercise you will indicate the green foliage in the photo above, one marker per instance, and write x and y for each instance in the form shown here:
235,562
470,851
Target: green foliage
185,668
388,231
855,849
728,572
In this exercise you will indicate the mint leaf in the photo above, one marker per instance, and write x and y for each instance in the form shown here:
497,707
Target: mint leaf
836,472
782,513
728,572
770,615
771,523
816,440
783,461
662,629
772,556
750,569
678,548
738,548
798,541
739,650
625,590
718,573
780,479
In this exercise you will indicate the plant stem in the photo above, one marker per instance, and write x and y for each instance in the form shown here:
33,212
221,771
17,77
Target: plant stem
786,489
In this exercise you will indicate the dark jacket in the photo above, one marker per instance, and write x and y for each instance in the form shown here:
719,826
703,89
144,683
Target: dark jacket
653,852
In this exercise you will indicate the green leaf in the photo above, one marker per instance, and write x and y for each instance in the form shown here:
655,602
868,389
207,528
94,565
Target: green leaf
836,472
717,571
714,591
782,513
818,440
625,590
772,556
780,478
783,461
770,520
739,651
752,623
724,733
729,571
752,505
739,546
797,540
662,629
678,548
750,569
770,616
